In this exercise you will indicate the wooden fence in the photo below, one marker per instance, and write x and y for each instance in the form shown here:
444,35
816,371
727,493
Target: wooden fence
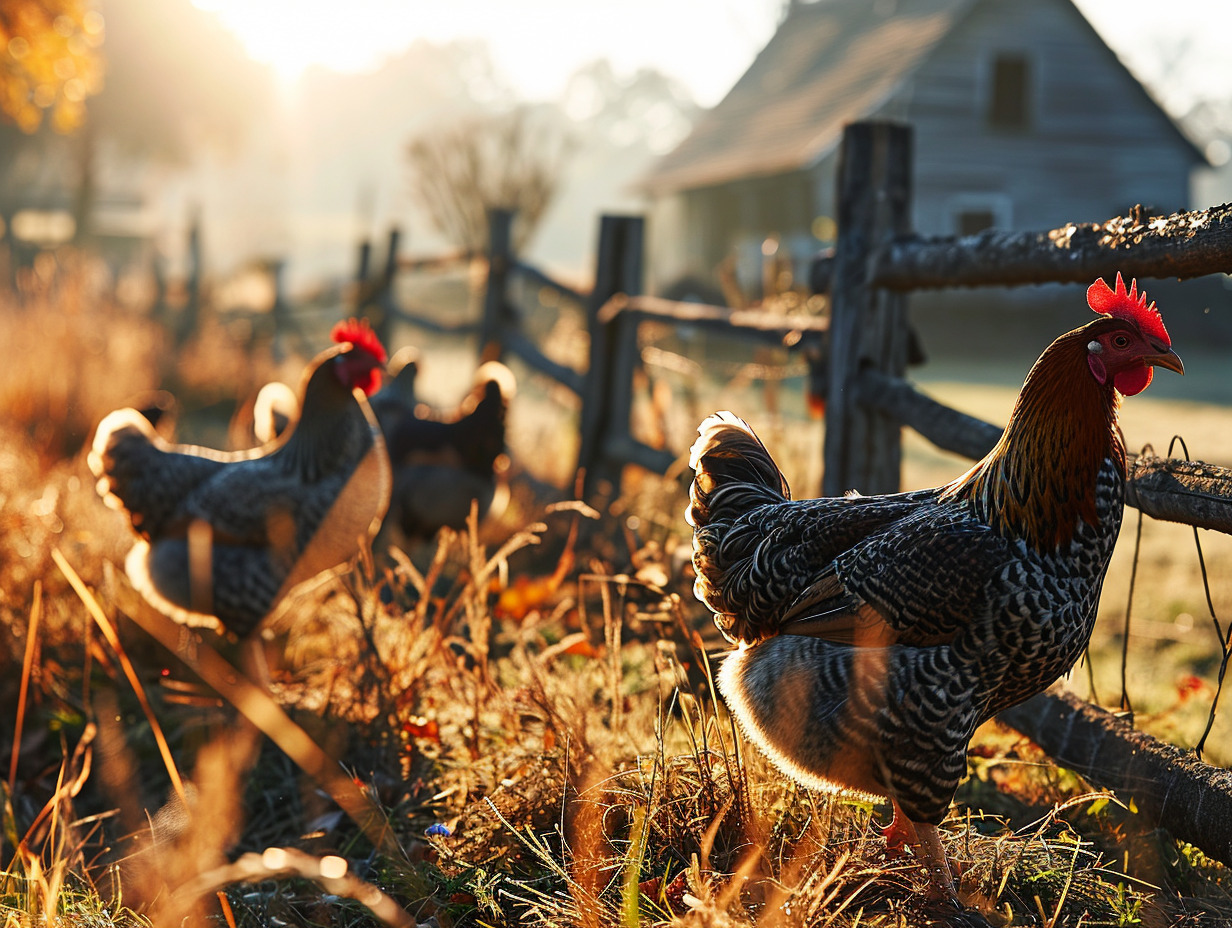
614,310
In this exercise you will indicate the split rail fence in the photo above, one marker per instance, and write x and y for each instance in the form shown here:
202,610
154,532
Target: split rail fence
614,308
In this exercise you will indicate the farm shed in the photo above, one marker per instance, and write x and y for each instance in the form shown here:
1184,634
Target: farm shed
1023,118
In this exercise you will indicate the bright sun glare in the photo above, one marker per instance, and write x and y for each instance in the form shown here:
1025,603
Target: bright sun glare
706,44
537,44
289,36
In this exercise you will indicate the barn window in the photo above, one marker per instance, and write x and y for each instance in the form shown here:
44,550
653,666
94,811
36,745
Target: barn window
971,221
972,213
1009,97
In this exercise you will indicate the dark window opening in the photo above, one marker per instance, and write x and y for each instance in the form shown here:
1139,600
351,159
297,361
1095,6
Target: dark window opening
1008,105
973,221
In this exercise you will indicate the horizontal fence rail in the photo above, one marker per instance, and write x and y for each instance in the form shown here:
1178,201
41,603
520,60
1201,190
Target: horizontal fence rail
1169,489
1189,244
1184,244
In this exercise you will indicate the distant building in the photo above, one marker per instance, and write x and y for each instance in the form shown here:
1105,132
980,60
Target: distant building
1024,119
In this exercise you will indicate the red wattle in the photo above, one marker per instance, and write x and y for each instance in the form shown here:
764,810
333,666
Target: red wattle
1134,380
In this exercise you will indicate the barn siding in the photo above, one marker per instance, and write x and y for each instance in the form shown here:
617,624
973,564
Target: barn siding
1096,145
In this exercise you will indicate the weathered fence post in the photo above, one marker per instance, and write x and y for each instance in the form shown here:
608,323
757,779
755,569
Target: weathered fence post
496,298
867,325
281,314
618,269
385,304
361,273
190,313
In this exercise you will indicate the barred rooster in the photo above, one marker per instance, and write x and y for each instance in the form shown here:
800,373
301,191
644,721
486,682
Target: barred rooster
225,537
874,634
443,465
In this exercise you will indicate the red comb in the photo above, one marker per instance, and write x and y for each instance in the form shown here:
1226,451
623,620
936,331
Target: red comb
1127,304
359,333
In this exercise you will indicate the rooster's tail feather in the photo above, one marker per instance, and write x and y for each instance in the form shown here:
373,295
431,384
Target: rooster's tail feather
733,471
734,475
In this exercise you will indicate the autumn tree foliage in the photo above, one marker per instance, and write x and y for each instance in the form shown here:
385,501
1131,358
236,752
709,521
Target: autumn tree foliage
509,160
50,61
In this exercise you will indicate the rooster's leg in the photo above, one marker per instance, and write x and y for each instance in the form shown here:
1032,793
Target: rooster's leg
924,840
900,833
932,856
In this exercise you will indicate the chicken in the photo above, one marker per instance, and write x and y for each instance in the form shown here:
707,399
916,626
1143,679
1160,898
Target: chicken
874,634
442,465
396,398
225,537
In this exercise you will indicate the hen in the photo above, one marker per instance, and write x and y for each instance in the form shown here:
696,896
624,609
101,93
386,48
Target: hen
442,465
396,398
874,634
226,536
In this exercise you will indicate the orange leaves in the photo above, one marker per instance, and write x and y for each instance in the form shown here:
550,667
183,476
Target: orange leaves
527,594
49,61
422,728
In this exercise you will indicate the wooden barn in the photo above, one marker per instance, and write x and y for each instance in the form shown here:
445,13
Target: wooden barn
1024,119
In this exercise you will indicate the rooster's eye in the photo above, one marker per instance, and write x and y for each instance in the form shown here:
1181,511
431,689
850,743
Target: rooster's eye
1120,342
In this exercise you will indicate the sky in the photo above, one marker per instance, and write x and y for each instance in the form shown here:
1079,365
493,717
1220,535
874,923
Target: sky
706,44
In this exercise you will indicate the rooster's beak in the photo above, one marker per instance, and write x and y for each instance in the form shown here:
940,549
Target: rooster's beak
1168,359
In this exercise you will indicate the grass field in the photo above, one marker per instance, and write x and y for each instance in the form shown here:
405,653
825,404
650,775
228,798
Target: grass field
521,718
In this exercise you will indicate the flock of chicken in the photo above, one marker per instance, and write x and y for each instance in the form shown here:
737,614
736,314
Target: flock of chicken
872,634
225,537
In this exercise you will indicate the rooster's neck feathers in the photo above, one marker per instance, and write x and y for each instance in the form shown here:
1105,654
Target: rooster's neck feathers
1039,481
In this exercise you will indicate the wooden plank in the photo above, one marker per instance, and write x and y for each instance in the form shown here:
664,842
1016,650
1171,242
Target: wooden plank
629,449
525,348
1186,244
385,304
618,269
495,299
868,326
776,326
539,278
1175,490
946,428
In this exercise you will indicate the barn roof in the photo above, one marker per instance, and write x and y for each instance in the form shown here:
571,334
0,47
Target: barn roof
829,63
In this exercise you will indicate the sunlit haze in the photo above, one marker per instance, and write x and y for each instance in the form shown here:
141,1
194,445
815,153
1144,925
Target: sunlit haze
706,44
536,44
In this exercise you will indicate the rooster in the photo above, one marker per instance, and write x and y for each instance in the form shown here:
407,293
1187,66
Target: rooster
224,537
442,465
874,634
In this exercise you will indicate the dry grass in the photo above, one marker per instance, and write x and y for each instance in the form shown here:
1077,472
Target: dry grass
522,717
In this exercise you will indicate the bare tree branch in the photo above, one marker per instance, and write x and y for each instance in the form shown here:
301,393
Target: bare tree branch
507,161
